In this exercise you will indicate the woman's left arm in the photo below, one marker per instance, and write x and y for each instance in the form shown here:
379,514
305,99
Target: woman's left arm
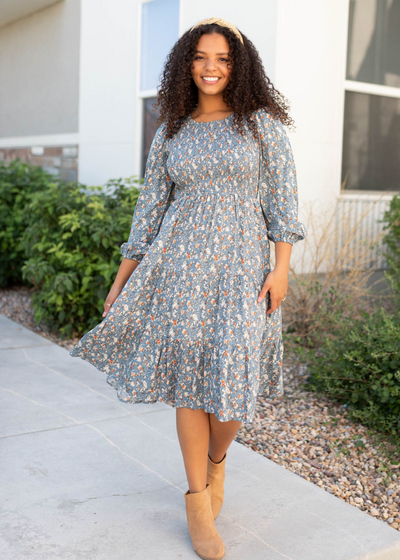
279,200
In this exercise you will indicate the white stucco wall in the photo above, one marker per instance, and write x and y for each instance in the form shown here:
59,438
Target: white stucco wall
310,72
39,73
310,62
107,105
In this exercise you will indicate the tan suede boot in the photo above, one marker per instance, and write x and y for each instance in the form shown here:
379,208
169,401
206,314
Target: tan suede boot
206,540
216,479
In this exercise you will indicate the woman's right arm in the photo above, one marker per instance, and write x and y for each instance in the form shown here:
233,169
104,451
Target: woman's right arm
125,271
150,207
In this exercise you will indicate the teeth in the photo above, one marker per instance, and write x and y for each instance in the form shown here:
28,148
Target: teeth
211,79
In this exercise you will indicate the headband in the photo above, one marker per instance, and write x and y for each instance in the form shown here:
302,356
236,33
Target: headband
222,23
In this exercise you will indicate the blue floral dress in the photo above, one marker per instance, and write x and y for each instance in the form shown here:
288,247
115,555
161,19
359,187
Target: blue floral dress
187,329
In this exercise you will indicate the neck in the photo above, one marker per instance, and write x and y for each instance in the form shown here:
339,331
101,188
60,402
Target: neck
208,104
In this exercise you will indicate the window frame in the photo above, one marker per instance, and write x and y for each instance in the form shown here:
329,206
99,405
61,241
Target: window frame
370,89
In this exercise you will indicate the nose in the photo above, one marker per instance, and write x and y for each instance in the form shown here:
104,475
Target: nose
210,64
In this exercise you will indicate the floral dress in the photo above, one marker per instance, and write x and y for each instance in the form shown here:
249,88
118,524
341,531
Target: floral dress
187,329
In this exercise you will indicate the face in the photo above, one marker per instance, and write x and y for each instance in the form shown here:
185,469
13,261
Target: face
211,60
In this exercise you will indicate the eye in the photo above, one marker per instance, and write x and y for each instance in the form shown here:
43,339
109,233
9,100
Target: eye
198,56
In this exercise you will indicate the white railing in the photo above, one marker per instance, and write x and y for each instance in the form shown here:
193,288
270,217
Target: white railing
360,214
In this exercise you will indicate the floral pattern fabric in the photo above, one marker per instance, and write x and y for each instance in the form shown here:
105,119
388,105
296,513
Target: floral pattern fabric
187,328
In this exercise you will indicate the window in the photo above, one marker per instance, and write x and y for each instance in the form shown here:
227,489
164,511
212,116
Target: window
149,127
371,134
159,33
371,142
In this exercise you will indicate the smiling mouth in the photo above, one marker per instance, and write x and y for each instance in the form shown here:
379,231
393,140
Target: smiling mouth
211,81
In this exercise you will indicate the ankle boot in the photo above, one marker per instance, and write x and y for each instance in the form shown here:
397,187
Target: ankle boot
216,479
206,540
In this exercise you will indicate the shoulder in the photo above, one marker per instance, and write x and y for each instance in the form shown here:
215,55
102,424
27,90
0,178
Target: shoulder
261,113
264,118
159,135
160,142
269,127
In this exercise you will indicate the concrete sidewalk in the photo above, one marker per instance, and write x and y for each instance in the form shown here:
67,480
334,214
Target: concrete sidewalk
87,477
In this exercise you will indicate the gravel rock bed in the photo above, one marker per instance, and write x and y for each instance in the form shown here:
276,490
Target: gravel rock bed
303,431
314,438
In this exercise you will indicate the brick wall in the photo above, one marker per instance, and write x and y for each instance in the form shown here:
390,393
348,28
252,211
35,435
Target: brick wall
57,160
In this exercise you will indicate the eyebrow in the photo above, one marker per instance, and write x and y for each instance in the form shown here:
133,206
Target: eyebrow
206,53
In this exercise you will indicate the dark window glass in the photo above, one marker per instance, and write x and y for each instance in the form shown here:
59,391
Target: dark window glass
371,142
373,47
149,128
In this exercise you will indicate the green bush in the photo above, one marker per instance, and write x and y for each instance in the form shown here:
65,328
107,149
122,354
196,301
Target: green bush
351,345
359,365
392,240
72,248
18,183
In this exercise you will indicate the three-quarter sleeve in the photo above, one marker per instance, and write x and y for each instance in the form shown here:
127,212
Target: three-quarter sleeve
278,181
152,202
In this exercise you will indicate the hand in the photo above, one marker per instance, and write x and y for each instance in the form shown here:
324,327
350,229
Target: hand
112,296
277,285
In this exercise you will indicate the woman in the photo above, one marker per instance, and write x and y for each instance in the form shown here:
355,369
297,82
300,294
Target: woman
187,320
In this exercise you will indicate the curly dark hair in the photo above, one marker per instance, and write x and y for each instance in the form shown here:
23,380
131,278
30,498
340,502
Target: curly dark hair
248,89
